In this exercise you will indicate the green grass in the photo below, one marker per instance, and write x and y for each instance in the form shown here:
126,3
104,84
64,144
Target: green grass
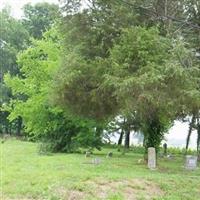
27,175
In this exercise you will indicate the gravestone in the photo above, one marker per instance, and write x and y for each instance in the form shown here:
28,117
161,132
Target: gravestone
161,155
109,155
141,161
151,158
87,154
191,162
96,161
165,148
170,156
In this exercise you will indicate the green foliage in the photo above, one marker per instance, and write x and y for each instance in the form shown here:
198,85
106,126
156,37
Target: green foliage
144,74
192,11
38,63
68,135
13,38
39,18
150,78
117,59
32,91
180,151
77,88
148,65
91,33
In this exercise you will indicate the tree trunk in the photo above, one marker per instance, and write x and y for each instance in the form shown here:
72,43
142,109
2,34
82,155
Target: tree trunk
10,128
127,139
190,132
99,131
19,126
198,139
198,142
153,133
6,129
120,138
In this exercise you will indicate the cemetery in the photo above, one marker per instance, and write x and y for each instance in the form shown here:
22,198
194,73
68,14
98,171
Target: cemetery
99,99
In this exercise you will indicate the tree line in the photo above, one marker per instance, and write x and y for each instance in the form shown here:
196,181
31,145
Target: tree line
74,75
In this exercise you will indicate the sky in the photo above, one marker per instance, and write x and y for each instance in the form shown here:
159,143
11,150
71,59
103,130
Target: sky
176,137
16,5
177,134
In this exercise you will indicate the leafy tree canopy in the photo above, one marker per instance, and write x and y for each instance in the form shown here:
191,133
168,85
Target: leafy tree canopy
39,18
32,91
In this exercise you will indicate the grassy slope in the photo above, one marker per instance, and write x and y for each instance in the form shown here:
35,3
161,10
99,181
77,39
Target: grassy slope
27,175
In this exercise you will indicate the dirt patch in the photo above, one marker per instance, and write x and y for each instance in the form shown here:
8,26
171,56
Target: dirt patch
103,189
68,194
5,197
129,189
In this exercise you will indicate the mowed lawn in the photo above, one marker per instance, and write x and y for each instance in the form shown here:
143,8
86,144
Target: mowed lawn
27,175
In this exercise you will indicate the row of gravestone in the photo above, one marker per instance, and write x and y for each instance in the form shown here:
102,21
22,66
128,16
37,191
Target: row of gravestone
96,161
190,163
88,154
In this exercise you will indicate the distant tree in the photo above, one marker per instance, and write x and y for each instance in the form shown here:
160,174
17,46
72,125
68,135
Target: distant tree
39,18
124,125
13,39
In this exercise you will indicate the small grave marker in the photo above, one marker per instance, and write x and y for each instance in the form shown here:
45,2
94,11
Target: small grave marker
109,155
87,154
96,161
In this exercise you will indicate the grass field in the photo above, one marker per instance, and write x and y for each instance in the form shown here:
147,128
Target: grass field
27,175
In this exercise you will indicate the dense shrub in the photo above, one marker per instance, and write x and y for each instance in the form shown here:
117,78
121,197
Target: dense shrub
68,135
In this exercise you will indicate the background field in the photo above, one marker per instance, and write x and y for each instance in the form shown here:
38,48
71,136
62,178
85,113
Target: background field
27,175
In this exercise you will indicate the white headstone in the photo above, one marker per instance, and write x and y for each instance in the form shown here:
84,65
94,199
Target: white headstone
191,162
151,158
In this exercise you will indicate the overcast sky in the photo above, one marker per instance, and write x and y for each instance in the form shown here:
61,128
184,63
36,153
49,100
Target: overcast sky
177,135
16,5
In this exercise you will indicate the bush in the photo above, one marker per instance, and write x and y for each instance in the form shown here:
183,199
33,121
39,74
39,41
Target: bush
180,151
69,135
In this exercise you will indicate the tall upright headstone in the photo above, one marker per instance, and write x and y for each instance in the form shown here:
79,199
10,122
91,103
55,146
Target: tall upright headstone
151,158
191,162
